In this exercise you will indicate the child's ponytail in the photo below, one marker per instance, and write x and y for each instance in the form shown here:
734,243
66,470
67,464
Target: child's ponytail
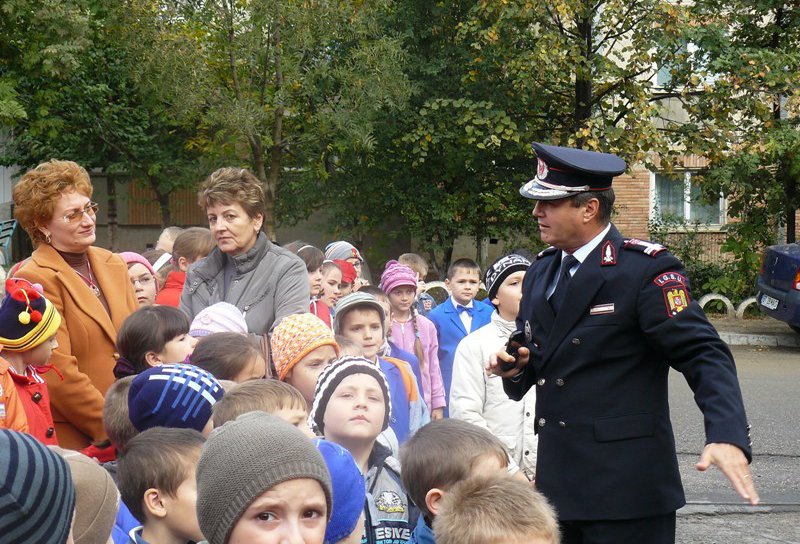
418,351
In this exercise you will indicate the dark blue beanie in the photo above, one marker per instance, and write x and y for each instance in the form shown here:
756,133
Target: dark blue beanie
177,396
37,496
349,490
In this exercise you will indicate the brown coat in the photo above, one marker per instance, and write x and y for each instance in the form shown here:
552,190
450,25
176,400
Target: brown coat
86,352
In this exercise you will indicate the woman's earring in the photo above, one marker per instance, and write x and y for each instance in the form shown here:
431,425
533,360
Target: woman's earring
47,237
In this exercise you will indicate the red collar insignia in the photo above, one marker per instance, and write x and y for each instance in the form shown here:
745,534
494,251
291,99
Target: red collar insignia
608,255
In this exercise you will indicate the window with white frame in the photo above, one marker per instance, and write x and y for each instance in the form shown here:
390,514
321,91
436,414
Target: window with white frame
676,197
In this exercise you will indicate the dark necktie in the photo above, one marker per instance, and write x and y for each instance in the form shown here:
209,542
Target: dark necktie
564,277
462,309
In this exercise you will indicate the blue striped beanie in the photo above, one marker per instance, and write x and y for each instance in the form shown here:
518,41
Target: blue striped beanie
37,496
178,396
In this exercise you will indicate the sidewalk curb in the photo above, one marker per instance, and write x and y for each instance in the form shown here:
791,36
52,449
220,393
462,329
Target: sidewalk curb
699,508
770,340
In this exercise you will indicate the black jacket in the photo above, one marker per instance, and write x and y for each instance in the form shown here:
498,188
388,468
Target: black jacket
606,447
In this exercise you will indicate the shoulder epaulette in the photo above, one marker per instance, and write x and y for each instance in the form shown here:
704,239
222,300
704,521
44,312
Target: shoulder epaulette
648,248
545,252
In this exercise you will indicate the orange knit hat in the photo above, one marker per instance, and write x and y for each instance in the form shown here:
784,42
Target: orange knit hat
296,336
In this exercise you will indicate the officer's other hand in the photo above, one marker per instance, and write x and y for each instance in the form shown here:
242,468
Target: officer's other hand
497,360
731,460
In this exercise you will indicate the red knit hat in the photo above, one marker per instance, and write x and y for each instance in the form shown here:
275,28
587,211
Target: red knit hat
348,271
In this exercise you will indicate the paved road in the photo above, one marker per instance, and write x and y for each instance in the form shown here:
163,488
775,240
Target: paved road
770,379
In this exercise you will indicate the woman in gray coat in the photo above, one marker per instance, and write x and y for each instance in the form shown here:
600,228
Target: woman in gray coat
263,280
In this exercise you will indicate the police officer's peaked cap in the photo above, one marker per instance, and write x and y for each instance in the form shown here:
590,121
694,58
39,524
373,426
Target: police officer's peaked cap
562,172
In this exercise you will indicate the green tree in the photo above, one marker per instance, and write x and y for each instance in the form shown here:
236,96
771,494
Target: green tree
492,76
280,86
744,115
84,104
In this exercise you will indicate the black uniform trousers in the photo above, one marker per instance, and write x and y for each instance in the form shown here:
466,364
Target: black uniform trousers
652,530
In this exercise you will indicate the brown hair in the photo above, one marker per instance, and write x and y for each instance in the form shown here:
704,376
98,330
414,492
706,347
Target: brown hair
116,420
36,193
224,354
462,264
176,451
257,396
311,255
494,508
414,262
193,243
428,461
149,329
233,186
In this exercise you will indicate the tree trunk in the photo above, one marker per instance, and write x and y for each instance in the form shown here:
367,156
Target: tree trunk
163,203
583,74
271,178
111,189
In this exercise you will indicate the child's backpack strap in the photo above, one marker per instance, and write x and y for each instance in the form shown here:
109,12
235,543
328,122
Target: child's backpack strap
409,380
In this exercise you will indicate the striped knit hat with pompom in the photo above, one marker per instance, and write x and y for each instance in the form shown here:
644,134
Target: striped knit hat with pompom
37,496
330,379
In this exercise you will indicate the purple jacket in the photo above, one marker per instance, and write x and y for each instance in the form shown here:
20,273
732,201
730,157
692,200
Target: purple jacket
432,384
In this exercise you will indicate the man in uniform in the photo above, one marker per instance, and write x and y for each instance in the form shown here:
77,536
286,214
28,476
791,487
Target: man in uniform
604,318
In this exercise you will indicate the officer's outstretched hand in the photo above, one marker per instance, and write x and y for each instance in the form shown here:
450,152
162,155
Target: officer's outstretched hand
731,460
501,358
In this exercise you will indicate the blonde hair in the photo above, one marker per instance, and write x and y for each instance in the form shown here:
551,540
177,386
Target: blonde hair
494,508
38,190
116,420
257,396
414,262
233,186
429,463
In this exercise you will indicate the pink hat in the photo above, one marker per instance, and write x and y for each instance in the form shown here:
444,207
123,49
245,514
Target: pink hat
397,275
131,257
219,317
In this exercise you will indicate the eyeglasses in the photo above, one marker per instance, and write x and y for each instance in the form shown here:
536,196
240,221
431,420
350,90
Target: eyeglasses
76,215
143,280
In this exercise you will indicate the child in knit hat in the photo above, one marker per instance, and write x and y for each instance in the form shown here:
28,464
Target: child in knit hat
391,349
413,332
349,276
314,258
346,525
351,408
270,396
179,396
361,318
96,498
480,399
37,495
219,317
229,356
143,277
260,480
28,326
157,480
425,302
331,281
302,346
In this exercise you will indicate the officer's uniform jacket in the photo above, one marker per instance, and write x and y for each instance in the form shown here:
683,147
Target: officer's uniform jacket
606,446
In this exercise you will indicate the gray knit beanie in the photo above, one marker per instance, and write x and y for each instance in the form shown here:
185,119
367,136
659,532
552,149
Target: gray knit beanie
243,459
